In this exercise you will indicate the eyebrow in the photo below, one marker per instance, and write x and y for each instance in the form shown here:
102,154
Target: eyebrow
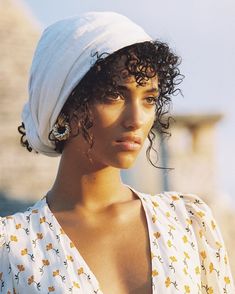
124,88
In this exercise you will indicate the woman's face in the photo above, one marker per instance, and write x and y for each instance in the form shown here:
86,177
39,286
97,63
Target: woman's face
122,123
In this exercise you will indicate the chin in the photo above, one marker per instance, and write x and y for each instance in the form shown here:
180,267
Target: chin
124,163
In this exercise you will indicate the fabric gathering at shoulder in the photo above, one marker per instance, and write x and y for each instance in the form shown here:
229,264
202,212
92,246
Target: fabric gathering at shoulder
196,217
216,276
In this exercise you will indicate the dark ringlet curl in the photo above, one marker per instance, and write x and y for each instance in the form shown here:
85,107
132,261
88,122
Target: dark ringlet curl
143,60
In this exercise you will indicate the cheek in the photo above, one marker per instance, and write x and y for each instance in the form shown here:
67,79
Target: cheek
103,127
149,123
105,118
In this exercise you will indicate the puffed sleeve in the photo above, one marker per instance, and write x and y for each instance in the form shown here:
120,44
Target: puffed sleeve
6,282
215,271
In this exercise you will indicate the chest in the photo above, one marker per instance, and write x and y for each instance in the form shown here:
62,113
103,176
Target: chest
117,253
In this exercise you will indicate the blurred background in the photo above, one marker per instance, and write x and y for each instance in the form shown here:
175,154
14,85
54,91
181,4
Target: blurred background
201,148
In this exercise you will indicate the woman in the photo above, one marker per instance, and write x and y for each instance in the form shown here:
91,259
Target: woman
99,86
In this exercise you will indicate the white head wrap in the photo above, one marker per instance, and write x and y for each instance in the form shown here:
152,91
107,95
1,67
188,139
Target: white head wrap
62,57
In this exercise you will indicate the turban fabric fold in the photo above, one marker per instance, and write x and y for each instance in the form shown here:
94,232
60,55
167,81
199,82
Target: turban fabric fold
64,54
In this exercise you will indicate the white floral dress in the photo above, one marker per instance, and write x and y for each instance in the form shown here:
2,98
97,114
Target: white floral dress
187,250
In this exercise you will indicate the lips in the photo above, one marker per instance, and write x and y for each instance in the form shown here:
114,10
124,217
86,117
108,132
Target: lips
130,139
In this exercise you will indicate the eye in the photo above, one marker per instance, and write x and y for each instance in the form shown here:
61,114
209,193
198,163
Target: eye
113,97
151,100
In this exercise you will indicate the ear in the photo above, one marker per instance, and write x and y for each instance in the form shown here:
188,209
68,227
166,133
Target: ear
74,123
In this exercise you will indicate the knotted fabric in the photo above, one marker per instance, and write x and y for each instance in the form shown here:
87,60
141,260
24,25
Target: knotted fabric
64,54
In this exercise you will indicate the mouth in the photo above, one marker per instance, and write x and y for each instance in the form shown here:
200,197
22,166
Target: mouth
129,143
130,139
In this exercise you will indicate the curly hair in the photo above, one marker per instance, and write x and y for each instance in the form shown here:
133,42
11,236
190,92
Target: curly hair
144,60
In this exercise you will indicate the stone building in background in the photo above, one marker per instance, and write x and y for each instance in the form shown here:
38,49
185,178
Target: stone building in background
25,176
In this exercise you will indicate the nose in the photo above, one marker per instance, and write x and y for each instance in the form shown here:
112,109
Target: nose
133,116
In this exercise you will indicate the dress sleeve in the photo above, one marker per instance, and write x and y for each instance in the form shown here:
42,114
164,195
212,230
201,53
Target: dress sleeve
215,271
6,282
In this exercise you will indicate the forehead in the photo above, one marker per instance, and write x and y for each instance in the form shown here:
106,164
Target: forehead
123,77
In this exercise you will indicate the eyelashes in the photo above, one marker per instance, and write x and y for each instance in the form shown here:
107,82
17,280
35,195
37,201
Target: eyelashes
117,97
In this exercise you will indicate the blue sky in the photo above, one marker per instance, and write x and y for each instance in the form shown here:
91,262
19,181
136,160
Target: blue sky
200,31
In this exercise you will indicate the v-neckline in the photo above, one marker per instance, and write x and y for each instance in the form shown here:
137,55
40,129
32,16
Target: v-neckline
94,280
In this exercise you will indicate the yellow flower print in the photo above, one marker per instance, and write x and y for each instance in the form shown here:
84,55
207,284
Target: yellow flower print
39,236
174,198
203,254
51,289
72,245
168,214
173,258
20,267
185,239
154,218
210,290
189,221
35,211
169,243
186,255
155,204
171,227
155,273
13,238
80,271
225,259
30,280
213,225
76,285
167,282
49,246
69,257
42,219
157,235
24,251
227,280
56,273
200,233
187,289
197,270
218,244
18,226
152,255
45,262
62,231
200,214
211,267
185,271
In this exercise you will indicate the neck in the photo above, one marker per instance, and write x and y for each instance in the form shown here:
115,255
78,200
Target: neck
82,185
